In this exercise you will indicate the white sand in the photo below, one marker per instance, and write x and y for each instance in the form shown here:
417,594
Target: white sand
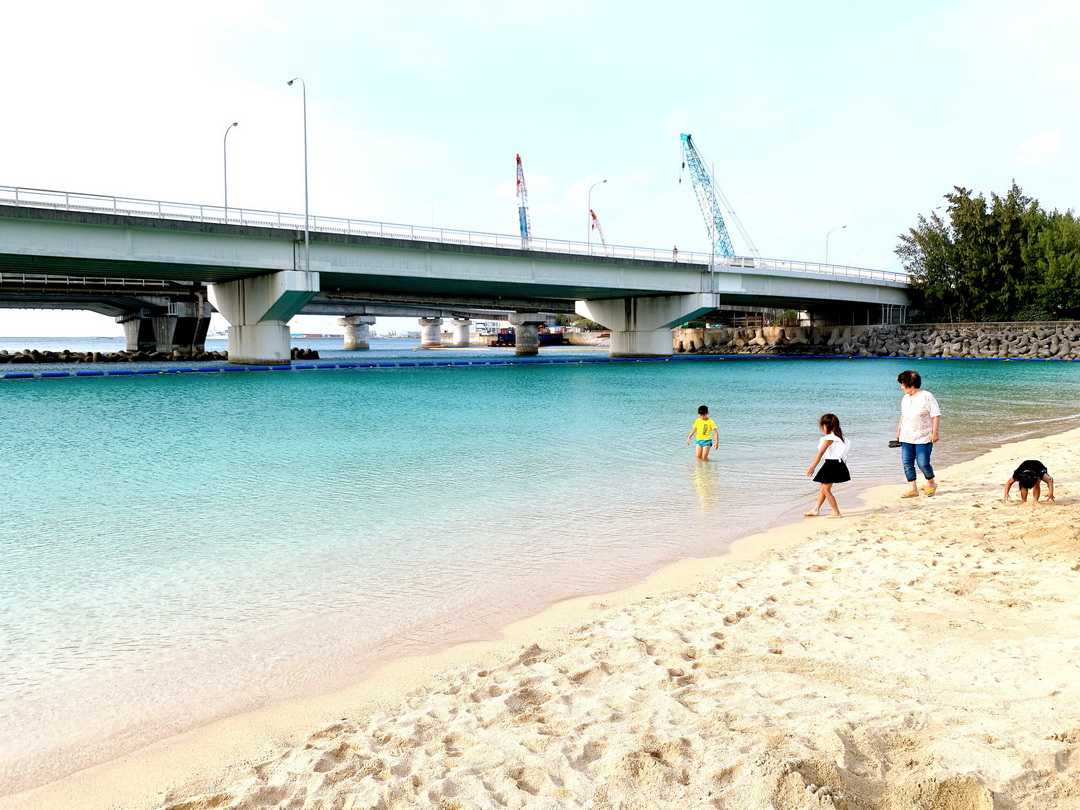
917,654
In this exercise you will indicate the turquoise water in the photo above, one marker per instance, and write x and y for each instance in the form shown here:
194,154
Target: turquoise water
176,548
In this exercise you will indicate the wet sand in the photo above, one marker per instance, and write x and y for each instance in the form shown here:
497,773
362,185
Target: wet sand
919,653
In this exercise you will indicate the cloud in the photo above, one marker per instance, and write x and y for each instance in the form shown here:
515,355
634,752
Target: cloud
1040,151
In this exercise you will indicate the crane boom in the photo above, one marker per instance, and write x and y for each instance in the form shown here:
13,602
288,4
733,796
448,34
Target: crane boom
706,195
596,227
523,206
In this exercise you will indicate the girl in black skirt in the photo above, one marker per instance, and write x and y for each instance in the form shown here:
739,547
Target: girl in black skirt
833,448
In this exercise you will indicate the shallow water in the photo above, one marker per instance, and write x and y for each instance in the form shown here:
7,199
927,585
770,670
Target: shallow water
174,548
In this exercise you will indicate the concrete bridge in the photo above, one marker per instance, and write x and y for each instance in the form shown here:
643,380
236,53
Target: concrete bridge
260,274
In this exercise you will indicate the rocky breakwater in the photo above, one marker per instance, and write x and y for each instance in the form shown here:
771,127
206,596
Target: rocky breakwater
34,356
757,340
1042,340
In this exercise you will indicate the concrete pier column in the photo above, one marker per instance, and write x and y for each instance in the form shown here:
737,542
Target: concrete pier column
258,310
183,328
527,332
461,332
165,326
527,338
357,331
138,331
430,333
641,327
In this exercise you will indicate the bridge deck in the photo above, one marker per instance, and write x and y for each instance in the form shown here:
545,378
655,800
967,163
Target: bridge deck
54,232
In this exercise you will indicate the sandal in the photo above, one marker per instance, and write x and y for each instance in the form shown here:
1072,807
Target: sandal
930,491
910,495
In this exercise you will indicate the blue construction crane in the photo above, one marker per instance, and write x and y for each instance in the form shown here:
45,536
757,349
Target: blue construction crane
523,206
706,191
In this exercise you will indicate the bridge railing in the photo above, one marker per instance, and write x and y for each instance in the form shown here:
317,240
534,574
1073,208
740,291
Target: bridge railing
86,281
754,264
131,206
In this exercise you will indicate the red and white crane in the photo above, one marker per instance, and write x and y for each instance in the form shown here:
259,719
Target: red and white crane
596,227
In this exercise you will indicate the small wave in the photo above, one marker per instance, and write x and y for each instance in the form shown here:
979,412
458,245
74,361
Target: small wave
1070,417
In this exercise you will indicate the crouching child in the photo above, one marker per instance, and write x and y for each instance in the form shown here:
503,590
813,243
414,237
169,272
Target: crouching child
1029,477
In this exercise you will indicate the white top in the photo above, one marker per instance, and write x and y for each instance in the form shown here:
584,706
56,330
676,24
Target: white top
917,412
837,447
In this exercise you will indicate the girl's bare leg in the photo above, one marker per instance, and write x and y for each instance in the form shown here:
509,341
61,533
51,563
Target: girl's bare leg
820,500
827,493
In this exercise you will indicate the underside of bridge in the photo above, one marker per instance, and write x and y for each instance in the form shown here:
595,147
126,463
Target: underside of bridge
157,316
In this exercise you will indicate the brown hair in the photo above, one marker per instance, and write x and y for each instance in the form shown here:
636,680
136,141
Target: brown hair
831,422
909,378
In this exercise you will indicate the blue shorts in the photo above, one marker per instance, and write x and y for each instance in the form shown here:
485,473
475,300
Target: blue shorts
704,442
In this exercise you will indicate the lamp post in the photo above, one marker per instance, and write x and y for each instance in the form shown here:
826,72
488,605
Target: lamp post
225,163
307,231
837,228
594,185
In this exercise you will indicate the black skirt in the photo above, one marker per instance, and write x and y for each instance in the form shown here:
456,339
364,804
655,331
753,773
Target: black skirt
833,472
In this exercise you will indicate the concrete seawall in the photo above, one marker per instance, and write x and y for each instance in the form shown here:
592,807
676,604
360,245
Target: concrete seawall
1042,339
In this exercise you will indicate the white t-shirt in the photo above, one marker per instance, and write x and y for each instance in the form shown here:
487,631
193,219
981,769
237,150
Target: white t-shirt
917,412
837,447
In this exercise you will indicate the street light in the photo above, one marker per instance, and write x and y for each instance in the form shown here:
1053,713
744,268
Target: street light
594,185
225,150
307,231
837,228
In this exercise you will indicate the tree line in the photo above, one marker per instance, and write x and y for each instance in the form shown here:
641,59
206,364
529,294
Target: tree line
1002,260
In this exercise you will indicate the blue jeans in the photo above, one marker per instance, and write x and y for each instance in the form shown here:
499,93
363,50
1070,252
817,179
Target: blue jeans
912,453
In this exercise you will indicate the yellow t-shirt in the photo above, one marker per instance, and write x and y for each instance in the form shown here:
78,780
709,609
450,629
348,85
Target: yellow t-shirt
705,428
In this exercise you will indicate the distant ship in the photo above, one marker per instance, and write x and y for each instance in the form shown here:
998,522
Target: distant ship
313,335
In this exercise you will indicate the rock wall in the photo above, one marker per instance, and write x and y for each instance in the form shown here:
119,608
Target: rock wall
1045,340
35,356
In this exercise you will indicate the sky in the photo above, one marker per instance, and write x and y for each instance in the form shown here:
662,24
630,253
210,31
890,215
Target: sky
813,116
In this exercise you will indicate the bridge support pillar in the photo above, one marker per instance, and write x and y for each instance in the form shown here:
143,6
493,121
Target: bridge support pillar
258,310
169,326
184,328
357,331
461,332
138,331
526,332
641,327
430,333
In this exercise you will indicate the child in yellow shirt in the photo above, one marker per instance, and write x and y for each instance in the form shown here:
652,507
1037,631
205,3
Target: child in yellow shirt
705,428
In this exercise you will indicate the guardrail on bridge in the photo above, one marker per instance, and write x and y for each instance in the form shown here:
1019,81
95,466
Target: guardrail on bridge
131,206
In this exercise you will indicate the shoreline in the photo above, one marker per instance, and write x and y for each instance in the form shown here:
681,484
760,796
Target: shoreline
221,753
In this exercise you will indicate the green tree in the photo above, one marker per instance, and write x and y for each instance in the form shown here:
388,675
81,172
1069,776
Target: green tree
1015,221
975,266
926,253
969,252
1053,260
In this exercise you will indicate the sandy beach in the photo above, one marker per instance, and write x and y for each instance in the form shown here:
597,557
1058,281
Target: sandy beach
919,653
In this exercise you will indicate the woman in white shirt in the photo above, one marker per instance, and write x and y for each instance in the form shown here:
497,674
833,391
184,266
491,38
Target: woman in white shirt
917,431
833,448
